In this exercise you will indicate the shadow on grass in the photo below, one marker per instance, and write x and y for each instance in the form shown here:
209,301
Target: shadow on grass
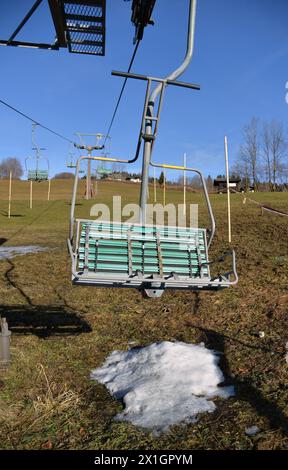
244,388
3,240
43,320
40,320
5,214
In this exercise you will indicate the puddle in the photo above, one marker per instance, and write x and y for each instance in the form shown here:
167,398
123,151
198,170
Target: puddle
12,251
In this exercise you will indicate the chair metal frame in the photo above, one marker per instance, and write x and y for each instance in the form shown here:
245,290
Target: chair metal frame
151,285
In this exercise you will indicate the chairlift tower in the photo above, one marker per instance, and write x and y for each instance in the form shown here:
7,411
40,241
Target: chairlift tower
89,193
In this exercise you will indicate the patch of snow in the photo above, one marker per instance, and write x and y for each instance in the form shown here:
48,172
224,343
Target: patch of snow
12,251
286,356
252,431
163,384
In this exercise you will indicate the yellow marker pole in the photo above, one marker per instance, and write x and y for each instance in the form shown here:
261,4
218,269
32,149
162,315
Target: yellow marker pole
184,186
164,188
10,194
155,191
49,189
31,195
228,188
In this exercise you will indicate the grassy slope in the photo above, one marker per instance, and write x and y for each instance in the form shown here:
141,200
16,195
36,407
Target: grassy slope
61,332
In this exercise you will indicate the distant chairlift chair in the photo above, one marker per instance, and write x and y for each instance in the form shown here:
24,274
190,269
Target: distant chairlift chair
71,163
148,258
36,173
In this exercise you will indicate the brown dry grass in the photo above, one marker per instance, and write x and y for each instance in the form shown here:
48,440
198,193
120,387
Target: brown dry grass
61,332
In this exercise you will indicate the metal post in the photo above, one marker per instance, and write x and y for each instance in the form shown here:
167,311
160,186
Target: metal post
4,343
49,188
155,191
228,188
95,188
88,178
31,195
184,185
10,193
145,173
164,188
148,137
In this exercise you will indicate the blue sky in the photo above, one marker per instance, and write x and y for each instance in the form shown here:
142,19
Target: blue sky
240,59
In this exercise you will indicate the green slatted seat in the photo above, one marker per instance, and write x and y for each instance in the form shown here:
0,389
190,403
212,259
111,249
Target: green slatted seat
145,257
39,175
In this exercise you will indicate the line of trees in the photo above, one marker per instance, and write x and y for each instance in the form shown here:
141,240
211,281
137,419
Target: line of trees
263,157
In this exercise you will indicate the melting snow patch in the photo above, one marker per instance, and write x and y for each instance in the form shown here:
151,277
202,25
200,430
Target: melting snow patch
252,431
11,251
164,383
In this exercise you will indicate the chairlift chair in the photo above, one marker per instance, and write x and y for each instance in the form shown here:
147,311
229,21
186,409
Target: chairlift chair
103,171
136,255
71,163
36,173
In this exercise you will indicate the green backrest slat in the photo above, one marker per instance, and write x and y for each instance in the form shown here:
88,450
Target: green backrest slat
135,252
135,243
116,227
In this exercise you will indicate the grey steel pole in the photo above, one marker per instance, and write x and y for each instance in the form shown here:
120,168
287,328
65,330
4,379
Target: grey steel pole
88,178
228,187
145,174
4,343
148,125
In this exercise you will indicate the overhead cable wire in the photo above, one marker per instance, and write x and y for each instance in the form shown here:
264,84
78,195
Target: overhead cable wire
36,122
62,136
121,92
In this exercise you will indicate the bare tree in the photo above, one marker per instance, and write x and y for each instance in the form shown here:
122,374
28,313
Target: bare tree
118,168
209,183
274,151
249,151
266,144
240,168
194,182
11,164
278,150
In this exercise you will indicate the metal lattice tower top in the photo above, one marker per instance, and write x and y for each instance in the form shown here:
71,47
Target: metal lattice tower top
85,26
79,26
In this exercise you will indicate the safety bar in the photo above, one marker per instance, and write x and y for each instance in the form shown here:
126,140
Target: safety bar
117,73
194,170
221,259
75,186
